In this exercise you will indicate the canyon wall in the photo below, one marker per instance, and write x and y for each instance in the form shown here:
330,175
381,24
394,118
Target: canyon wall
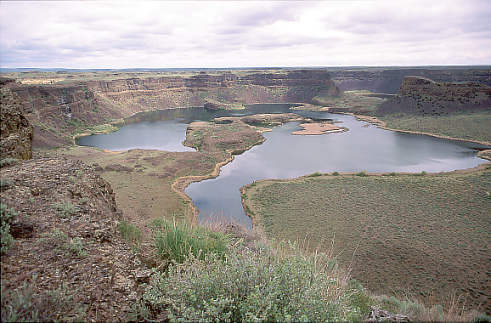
57,110
389,80
15,130
423,96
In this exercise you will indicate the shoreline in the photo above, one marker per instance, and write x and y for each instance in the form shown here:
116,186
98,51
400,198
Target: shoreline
180,184
255,221
382,125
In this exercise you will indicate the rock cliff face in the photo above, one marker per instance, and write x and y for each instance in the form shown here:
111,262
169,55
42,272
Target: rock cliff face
423,96
58,110
58,202
389,80
15,129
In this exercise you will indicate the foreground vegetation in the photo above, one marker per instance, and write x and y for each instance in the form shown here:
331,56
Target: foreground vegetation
237,275
420,235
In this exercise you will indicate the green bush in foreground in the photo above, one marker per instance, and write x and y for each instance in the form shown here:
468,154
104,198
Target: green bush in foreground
177,241
6,216
256,285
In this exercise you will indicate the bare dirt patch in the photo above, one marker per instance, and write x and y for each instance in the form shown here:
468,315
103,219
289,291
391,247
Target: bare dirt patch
318,128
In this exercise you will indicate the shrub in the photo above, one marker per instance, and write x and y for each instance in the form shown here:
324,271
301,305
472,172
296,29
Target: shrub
22,305
65,209
316,174
249,286
359,303
5,183
8,162
335,174
176,241
129,232
362,173
76,247
6,217
58,240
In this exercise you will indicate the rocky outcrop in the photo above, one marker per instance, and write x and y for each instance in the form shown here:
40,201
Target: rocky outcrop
15,130
69,245
390,79
423,96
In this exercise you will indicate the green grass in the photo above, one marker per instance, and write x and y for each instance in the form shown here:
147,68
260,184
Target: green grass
422,236
177,241
470,126
353,101
129,232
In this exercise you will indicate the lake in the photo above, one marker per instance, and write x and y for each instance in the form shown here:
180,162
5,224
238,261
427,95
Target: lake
283,155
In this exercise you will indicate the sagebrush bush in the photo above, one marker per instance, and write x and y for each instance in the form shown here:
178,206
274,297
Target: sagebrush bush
76,247
65,209
251,286
5,183
177,241
6,217
8,161
23,305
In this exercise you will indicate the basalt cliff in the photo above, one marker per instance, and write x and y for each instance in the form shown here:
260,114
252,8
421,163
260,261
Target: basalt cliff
57,111
389,80
423,96
15,129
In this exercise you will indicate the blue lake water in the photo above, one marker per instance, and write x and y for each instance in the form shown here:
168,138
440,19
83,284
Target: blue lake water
283,155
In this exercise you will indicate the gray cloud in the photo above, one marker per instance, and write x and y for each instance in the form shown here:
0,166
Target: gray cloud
218,34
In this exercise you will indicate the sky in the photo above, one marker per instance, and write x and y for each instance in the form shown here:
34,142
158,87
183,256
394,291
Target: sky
214,34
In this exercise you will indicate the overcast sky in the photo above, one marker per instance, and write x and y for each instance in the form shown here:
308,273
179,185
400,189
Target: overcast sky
244,33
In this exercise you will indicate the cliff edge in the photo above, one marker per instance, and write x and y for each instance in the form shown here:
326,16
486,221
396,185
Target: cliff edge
423,96
15,130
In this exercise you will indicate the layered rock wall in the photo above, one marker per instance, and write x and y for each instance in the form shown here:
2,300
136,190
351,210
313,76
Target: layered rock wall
390,80
59,110
424,96
15,130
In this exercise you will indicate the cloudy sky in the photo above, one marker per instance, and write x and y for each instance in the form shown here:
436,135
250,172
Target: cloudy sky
138,34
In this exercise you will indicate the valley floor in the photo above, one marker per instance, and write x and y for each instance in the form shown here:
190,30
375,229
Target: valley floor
421,235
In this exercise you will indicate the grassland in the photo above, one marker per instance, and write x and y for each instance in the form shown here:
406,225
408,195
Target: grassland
357,101
149,183
69,77
422,236
468,126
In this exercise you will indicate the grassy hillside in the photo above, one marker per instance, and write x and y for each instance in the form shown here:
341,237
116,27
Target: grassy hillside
422,235
469,126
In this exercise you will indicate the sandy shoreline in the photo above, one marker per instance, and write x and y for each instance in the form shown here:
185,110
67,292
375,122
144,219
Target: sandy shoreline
318,128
